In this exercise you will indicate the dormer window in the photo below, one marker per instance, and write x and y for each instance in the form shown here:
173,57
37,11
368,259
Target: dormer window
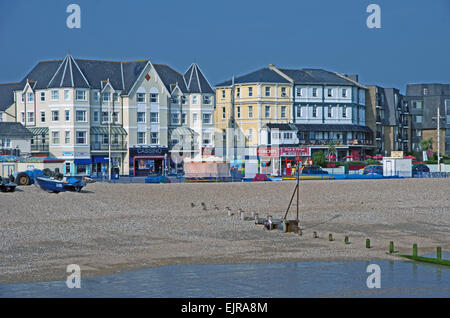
140,97
55,95
30,97
206,100
283,92
106,97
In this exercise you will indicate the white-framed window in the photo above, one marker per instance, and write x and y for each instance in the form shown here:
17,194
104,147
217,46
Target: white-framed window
419,119
67,115
238,112
344,92
175,118
55,95
425,91
194,100
140,97
330,110
250,111
314,112
287,135
223,93
267,91
224,112
154,117
194,118
80,95
206,99
67,137
116,97
96,117
30,98
298,91
283,92
141,137
105,117
42,96
22,117
105,139
250,91
55,115
238,92
174,100
66,95
80,116
6,143
55,137
250,134
330,92
154,138
115,116
183,118
30,117
183,99
417,104
344,111
206,138
283,111
81,137
207,118
22,98
106,97
141,117
267,111
314,92
96,96
154,98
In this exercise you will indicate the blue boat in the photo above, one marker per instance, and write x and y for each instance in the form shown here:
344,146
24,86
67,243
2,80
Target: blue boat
56,186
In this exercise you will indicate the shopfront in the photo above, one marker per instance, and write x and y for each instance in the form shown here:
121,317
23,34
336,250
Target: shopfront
292,158
269,161
147,160
82,167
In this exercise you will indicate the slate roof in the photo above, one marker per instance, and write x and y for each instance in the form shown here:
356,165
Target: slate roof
7,95
14,130
299,76
122,75
263,75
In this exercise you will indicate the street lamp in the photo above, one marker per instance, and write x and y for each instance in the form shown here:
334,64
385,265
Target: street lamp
438,119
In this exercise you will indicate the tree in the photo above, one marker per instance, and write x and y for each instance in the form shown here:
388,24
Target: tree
318,158
426,144
332,149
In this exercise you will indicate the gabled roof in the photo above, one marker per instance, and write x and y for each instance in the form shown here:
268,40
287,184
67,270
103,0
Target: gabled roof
170,77
196,81
263,75
7,94
14,130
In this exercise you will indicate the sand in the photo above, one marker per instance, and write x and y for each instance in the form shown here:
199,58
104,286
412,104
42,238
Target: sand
109,228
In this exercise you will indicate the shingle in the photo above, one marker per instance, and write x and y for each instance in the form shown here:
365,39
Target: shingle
196,80
170,77
7,94
17,130
264,75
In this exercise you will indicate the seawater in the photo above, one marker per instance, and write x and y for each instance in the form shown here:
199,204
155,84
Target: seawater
290,279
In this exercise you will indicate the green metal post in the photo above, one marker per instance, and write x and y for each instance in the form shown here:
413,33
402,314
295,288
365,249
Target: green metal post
439,253
415,249
367,243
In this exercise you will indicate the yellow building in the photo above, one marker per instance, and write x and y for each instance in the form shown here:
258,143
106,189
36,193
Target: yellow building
245,104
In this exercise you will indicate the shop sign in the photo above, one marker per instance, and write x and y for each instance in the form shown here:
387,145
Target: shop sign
148,151
268,152
295,151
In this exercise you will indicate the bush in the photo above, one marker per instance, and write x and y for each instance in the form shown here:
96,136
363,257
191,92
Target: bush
318,159
431,162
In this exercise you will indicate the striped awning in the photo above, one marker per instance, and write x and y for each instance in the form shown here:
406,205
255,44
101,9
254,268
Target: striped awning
38,131
105,131
183,131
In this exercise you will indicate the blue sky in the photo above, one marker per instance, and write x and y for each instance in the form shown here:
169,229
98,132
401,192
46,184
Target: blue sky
234,37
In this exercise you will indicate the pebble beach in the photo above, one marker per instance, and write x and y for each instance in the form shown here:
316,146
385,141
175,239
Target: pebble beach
108,228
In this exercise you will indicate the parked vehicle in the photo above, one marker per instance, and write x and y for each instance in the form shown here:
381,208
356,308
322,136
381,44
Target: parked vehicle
56,186
261,177
155,178
373,169
419,168
7,185
313,170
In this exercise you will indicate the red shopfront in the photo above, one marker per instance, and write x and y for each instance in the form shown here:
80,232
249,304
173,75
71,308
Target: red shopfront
289,157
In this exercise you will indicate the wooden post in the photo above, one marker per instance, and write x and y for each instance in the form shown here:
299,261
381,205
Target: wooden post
242,216
330,237
415,249
315,234
346,240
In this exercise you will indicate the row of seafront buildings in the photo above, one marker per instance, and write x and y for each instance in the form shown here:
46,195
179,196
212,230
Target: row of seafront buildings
139,112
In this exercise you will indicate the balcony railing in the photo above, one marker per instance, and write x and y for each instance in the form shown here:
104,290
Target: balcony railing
336,142
40,147
105,147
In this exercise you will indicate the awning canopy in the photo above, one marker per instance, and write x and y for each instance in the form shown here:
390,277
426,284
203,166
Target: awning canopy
115,130
320,127
183,131
82,161
38,131
100,159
